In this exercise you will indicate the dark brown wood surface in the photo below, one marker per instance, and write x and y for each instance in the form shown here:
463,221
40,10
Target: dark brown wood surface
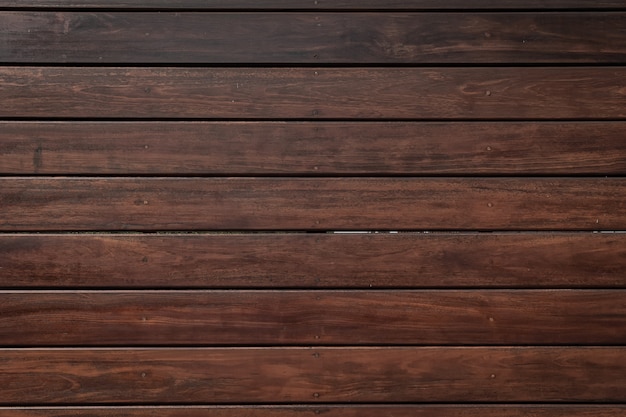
384,38
312,148
31,203
261,318
314,93
320,4
302,207
310,375
300,260
327,410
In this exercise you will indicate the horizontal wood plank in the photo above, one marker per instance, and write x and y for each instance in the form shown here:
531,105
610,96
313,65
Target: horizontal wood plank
327,410
38,204
286,38
312,148
407,260
312,375
319,4
314,93
218,318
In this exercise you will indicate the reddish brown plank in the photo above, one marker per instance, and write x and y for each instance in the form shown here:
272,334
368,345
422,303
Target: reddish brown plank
320,4
312,148
314,93
383,38
311,375
40,204
327,410
313,260
214,318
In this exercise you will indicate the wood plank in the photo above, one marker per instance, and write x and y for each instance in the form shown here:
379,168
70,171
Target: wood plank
405,260
327,410
314,93
312,148
319,4
287,38
266,318
312,375
39,204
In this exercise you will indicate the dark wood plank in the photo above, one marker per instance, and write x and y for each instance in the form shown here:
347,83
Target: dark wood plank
320,4
310,375
384,38
406,260
327,410
314,93
38,204
312,148
270,318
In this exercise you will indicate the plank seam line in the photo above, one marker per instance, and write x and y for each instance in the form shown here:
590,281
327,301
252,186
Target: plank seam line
308,119
297,175
321,65
337,177
300,231
311,347
42,288
331,404
305,346
149,9
335,291
162,232
306,404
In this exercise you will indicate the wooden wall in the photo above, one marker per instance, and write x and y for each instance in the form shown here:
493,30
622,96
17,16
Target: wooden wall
174,175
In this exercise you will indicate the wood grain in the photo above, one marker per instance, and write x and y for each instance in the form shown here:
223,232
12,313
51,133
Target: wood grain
31,204
312,148
312,375
320,4
287,38
406,260
327,410
173,175
314,93
260,318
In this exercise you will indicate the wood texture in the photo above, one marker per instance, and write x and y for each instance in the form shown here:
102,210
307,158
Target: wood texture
262,318
406,260
327,410
53,204
312,148
383,38
314,93
309,375
320,4
177,179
